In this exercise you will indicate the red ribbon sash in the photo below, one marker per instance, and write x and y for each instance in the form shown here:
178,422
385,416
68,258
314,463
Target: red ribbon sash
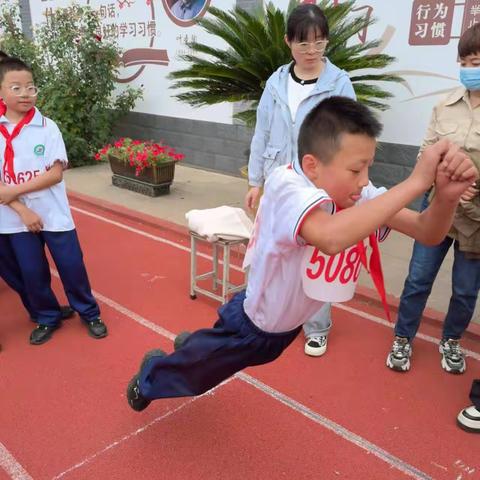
375,269
9,155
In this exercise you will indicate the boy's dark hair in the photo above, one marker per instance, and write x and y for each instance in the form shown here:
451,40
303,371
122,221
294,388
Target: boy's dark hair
469,41
12,64
305,19
3,56
321,131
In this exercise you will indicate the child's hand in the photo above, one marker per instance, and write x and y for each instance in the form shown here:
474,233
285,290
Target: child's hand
7,194
252,198
469,194
31,220
425,169
455,176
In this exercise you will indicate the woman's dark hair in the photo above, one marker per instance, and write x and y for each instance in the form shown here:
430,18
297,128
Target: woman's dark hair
305,19
469,41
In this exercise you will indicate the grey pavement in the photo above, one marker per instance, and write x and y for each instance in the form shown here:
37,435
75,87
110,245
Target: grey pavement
195,188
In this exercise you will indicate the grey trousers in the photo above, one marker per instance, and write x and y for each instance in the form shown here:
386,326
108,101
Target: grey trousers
320,323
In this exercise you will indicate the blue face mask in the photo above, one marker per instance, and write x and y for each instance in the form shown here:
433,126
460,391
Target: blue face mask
470,77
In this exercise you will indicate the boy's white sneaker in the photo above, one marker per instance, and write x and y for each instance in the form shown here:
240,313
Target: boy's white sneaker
316,346
469,419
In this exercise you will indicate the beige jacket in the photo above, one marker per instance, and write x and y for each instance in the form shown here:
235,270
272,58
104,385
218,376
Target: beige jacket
453,118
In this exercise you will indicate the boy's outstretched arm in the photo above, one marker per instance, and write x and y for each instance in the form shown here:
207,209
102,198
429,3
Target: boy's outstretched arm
43,181
31,220
455,176
333,233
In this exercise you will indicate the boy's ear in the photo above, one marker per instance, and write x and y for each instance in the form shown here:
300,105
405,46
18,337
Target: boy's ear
309,163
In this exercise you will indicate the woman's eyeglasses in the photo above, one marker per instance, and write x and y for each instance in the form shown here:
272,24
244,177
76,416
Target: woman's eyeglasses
318,47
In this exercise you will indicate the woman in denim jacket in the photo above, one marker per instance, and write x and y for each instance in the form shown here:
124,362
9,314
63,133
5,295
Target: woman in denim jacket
289,95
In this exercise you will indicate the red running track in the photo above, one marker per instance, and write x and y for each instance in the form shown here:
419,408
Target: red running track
63,412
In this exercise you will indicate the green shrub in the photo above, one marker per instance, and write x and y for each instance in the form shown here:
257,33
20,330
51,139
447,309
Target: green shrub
75,71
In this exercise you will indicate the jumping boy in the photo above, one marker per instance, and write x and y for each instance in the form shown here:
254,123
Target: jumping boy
308,247
32,159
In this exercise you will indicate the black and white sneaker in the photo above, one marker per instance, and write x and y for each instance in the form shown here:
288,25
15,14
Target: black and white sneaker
399,357
135,399
316,346
453,359
469,420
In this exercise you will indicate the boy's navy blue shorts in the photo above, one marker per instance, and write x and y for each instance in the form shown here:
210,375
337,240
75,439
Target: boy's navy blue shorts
211,355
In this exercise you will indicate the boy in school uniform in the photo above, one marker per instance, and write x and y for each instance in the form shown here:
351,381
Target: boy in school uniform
32,159
9,268
308,247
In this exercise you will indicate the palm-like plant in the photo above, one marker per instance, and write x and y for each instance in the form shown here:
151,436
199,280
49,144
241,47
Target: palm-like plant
256,48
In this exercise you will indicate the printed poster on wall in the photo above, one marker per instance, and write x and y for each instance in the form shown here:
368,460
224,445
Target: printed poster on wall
152,35
423,37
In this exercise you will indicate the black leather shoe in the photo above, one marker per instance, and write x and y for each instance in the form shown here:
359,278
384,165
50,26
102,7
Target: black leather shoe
42,334
97,329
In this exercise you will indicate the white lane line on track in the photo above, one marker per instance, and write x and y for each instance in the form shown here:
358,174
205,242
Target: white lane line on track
346,308
382,454
13,469
136,432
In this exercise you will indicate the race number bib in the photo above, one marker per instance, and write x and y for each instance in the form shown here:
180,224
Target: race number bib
330,278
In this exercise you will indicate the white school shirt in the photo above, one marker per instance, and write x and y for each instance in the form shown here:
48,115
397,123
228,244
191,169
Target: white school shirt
37,147
275,299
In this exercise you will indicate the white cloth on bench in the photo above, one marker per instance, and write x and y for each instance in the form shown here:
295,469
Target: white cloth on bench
228,223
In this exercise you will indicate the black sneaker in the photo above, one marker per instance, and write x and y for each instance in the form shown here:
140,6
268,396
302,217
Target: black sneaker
97,329
42,334
67,312
135,399
150,354
180,340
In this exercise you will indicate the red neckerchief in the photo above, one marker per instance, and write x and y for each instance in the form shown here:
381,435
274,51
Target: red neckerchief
374,268
8,161
3,107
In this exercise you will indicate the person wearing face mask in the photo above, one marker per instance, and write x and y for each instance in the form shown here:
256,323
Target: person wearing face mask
456,118
289,95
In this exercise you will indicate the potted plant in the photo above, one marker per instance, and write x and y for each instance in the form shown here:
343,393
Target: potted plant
142,166
256,48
